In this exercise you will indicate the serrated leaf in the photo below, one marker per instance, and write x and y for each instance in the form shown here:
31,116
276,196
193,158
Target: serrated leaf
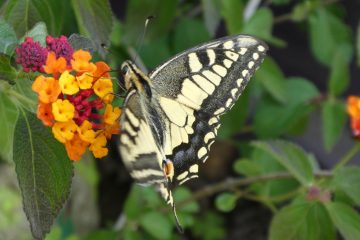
7,72
326,33
157,225
189,32
94,19
291,156
44,172
211,14
9,114
138,10
8,39
346,219
334,119
309,221
273,119
22,15
38,33
260,24
226,202
232,12
339,74
347,179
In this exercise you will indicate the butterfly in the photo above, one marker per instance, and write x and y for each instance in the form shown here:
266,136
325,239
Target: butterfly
171,117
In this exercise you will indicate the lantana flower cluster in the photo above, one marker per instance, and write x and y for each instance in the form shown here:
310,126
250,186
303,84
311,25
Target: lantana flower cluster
353,108
74,94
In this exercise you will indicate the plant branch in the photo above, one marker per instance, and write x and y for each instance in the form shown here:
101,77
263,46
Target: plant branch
348,156
237,182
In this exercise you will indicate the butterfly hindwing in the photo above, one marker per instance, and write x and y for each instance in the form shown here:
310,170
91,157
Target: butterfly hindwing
139,148
194,89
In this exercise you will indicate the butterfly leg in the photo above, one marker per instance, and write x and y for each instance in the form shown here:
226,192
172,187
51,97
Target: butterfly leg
168,169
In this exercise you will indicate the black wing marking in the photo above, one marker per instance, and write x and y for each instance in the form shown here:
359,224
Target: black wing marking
204,82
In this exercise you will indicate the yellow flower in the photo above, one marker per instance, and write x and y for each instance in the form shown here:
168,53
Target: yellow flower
68,83
64,131
63,110
98,147
103,88
110,114
85,80
86,132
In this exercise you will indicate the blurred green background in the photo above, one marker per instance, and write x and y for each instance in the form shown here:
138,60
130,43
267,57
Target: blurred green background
298,95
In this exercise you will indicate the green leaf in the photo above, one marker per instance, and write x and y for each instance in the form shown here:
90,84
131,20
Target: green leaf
346,220
102,234
138,10
308,221
9,114
7,72
211,14
247,167
38,33
339,75
23,93
261,24
44,172
334,119
226,202
272,79
188,33
280,2
291,156
210,226
347,179
94,19
134,206
232,12
327,32
234,120
182,193
273,119
156,224
22,15
155,52
8,39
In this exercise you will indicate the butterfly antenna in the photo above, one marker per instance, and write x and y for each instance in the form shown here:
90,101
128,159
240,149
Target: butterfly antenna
141,39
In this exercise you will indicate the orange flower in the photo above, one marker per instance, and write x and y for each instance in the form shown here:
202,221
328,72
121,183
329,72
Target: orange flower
80,62
47,87
353,106
98,146
63,110
55,65
76,147
110,114
44,114
102,70
109,130
64,131
86,132
103,88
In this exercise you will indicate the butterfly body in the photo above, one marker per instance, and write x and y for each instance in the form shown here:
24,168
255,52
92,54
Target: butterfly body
171,116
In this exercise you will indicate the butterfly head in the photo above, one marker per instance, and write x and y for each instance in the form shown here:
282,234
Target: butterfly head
135,78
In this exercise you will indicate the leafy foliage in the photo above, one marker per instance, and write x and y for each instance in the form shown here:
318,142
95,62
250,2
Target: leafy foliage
279,174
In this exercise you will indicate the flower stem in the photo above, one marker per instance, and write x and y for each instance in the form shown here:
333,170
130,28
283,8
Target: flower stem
348,156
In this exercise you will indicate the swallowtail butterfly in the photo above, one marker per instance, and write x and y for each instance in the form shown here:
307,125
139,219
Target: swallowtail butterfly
171,116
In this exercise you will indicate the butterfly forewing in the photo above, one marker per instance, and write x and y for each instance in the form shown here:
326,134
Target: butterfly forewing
194,89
